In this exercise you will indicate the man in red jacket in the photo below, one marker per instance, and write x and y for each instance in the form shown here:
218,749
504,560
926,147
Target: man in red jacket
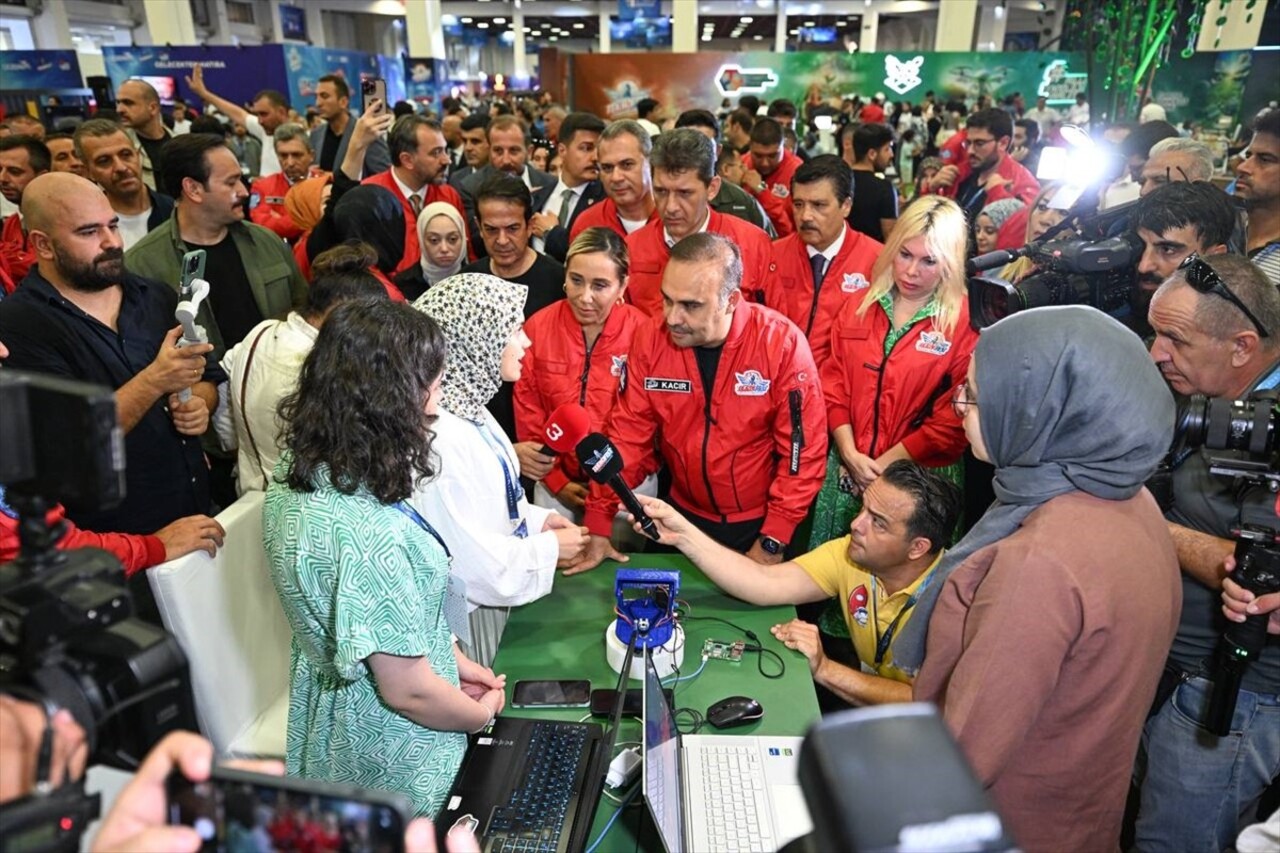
684,182
993,173
419,156
22,158
816,270
266,196
770,168
728,393
622,159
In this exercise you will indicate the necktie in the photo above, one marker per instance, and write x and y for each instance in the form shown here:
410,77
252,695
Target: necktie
566,206
415,201
817,263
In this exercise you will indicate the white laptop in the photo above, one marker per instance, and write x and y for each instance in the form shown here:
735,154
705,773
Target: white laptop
718,792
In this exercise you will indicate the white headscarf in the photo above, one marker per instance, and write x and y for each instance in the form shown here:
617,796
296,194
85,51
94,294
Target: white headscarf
432,272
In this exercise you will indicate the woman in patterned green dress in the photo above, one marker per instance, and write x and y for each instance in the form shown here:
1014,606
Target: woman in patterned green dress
896,354
379,694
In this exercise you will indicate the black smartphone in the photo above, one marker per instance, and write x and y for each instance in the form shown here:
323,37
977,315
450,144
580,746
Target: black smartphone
237,810
602,701
370,88
561,693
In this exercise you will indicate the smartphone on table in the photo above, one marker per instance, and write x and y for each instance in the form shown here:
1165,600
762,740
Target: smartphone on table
556,693
237,810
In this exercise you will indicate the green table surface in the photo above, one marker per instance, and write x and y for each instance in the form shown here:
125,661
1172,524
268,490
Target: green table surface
562,636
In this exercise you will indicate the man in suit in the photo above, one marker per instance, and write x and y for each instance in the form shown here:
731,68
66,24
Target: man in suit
475,149
508,153
330,140
579,186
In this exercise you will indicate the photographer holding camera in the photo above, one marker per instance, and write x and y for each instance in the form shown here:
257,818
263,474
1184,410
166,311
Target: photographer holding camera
1217,325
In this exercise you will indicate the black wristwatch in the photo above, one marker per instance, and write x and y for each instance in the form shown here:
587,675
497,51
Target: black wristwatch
772,546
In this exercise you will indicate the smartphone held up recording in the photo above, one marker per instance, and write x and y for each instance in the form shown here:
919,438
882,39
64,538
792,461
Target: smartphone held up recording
237,810
373,88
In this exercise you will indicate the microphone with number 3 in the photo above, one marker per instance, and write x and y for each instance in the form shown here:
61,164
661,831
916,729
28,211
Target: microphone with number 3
568,424
603,464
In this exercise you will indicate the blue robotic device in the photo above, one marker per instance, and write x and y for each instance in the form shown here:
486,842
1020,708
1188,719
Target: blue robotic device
646,604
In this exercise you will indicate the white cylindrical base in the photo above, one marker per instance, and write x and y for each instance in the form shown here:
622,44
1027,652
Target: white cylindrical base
666,659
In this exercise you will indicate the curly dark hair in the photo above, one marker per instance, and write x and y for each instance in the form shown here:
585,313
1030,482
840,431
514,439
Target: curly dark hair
370,372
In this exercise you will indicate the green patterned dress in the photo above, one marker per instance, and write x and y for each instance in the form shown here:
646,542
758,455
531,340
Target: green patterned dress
833,509
357,577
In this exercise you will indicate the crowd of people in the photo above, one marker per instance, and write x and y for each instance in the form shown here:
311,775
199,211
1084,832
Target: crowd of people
781,352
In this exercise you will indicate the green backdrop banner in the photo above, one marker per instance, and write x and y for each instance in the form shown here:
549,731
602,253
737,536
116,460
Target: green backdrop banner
611,84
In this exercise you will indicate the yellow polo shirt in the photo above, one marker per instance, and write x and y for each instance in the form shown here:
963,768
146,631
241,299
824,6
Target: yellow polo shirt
868,610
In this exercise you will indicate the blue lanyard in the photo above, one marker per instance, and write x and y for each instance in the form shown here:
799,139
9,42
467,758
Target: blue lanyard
512,481
417,519
882,642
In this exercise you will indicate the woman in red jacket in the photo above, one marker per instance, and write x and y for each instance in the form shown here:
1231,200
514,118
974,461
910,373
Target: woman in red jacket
579,355
896,354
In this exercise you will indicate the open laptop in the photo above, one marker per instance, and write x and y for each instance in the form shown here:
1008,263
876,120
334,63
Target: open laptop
529,785
718,792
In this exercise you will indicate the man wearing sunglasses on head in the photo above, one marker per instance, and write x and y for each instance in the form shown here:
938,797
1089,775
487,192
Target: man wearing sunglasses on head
1217,326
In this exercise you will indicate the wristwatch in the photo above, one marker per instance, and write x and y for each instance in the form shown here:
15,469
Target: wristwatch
772,546
761,187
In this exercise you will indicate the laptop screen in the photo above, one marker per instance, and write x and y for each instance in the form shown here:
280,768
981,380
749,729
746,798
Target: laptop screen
662,762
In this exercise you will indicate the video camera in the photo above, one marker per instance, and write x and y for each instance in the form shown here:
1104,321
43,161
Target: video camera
68,638
1085,268
1246,432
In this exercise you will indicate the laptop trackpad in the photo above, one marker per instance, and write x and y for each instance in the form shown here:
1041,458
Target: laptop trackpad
790,814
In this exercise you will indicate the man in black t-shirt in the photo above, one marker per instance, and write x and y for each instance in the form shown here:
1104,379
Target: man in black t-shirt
504,207
138,104
868,149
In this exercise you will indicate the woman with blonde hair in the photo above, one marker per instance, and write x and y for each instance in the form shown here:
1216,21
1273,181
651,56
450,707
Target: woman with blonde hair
1039,217
896,353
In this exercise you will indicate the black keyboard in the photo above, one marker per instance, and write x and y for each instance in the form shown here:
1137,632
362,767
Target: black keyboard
544,796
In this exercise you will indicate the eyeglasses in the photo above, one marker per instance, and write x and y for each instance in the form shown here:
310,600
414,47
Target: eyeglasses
1202,277
978,143
961,399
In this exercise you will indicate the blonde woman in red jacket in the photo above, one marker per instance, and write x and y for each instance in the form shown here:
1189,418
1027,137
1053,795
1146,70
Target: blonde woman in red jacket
896,354
578,355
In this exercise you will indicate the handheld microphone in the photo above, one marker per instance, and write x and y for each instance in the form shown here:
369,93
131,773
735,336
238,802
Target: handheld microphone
603,464
568,425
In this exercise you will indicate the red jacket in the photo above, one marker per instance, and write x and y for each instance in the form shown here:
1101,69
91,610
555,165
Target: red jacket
881,398
1019,182
789,286
434,193
776,196
559,369
649,255
603,215
871,113
266,206
135,552
18,257
304,266
754,448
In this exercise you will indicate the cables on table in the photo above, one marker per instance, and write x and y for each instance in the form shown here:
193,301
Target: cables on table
754,646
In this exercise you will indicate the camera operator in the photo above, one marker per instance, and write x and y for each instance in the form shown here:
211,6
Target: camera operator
1173,221
1217,324
81,315
1238,603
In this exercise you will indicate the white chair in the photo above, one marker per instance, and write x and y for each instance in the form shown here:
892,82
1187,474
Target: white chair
227,617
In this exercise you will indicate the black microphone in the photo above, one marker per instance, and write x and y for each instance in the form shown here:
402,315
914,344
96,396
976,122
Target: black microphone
603,464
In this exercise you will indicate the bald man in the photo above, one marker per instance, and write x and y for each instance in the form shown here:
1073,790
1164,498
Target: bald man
138,104
81,315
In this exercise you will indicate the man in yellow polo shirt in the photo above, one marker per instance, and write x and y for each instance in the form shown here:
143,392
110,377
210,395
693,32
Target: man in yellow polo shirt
876,572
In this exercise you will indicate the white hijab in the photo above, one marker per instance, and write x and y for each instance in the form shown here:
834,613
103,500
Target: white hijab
432,272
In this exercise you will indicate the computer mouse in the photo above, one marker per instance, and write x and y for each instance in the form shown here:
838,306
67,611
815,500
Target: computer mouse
734,711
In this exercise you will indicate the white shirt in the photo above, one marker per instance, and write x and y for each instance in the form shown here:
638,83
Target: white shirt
653,129
632,225
273,373
133,227
553,207
181,127
466,503
1043,117
830,254
408,194
1078,115
270,162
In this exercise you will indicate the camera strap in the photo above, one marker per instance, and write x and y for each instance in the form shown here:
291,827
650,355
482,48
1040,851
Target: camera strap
244,408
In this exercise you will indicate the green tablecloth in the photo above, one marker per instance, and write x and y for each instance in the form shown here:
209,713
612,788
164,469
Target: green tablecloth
562,636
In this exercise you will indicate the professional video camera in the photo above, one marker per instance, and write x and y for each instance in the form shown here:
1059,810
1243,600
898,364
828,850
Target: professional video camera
67,636
1085,266
1245,432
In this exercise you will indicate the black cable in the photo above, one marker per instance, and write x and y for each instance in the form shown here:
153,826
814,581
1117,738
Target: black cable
757,645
